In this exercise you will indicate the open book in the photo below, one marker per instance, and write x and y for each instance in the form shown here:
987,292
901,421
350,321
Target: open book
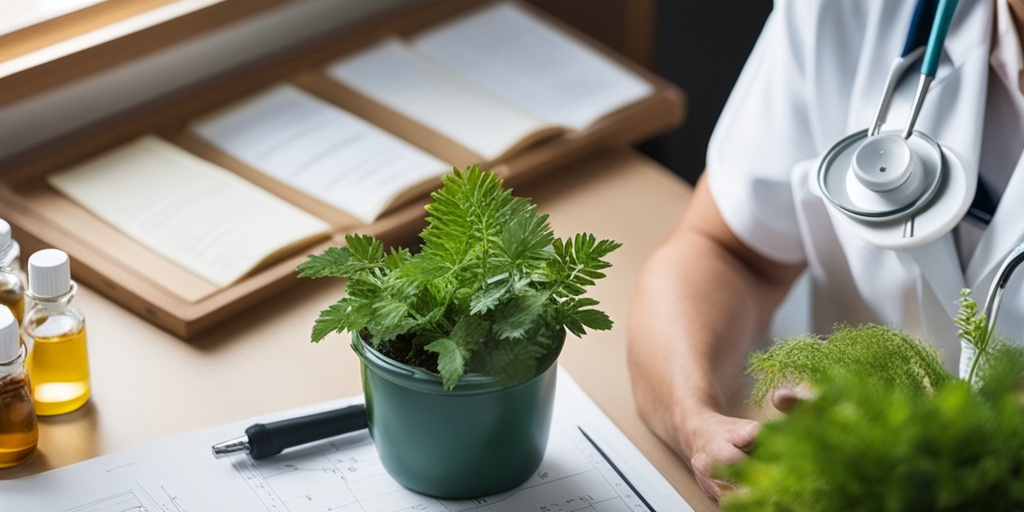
326,152
494,81
196,214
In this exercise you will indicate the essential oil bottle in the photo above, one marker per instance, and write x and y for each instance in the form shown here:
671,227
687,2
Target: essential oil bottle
58,362
19,431
12,284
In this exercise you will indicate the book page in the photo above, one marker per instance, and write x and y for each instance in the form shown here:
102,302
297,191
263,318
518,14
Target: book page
533,65
188,210
433,96
321,149
589,465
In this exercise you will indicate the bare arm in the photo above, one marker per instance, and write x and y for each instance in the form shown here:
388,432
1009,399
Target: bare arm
702,298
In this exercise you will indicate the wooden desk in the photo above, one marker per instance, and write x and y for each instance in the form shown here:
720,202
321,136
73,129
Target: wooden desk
148,385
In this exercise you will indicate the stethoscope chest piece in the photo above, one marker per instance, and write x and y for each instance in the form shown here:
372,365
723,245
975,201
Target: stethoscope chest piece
901,190
882,177
895,193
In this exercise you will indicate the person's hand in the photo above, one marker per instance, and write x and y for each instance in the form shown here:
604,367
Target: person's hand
714,439
786,397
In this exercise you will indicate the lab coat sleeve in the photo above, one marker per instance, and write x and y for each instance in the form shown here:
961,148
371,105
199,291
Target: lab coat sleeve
763,132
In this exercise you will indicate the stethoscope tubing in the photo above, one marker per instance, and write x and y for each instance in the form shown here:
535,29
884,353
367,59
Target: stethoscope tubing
943,16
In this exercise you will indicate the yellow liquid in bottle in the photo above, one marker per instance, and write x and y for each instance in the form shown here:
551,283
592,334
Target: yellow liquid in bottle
17,448
11,295
59,366
19,432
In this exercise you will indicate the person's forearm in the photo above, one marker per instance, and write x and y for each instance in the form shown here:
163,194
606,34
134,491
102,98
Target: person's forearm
687,301
697,308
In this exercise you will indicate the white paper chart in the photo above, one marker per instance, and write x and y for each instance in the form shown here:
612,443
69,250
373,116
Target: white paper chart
343,474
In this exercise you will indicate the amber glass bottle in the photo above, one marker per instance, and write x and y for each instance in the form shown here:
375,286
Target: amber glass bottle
19,432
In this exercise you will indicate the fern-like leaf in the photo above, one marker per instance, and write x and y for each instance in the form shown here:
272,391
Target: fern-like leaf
971,324
336,318
491,288
578,263
451,361
577,314
519,315
973,328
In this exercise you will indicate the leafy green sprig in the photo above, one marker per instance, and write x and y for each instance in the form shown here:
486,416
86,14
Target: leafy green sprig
973,328
883,447
888,428
491,289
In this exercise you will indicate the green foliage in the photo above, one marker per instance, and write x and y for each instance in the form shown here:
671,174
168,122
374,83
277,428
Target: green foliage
490,290
888,428
889,356
973,328
885,447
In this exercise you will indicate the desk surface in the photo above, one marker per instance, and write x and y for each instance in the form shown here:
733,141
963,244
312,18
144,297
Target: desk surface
148,385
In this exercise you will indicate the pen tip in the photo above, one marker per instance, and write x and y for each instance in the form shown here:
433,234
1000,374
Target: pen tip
226,448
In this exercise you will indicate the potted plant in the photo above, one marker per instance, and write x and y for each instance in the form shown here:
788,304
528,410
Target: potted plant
458,340
888,428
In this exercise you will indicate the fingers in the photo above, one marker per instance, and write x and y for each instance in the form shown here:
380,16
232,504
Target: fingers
785,398
744,435
703,469
727,442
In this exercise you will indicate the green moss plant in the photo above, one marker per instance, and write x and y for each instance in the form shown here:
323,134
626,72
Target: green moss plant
886,431
491,289
888,355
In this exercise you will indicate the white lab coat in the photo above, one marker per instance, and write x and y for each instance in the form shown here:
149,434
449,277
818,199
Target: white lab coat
814,77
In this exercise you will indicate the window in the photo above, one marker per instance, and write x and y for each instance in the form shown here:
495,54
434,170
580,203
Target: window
21,14
44,43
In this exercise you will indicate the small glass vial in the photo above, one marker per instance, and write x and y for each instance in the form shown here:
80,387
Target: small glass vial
19,431
55,333
12,283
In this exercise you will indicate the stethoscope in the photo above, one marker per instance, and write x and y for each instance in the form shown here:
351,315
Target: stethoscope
901,189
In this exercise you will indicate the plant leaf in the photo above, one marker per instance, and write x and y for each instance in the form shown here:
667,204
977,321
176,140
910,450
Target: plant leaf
519,315
451,361
526,238
577,314
365,248
469,333
362,253
333,319
489,296
578,262
594,319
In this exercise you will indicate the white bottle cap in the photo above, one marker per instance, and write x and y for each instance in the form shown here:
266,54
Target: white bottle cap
5,235
10,345
49,273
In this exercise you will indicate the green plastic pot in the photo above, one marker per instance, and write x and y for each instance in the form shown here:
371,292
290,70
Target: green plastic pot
478,439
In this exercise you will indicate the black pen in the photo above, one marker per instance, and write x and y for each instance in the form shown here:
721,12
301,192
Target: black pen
261,441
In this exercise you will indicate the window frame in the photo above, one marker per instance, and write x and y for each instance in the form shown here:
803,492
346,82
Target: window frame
62,49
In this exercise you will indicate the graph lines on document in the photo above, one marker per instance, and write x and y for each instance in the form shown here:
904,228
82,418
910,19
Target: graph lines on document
135,499
346,476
